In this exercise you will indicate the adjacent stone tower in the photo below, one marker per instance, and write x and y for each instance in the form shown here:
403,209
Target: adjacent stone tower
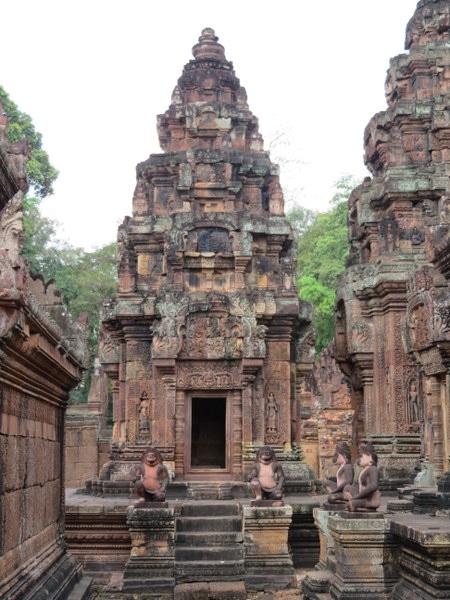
393,326
206,340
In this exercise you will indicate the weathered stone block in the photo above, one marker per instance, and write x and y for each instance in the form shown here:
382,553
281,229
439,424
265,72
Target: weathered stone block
151,563
423,557
365,556
268,561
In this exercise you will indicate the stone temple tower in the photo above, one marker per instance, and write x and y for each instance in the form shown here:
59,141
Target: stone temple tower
206,341
393,325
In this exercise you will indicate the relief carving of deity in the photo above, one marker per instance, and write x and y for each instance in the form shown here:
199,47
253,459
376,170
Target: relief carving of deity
168,338
144,417
272,419
413,412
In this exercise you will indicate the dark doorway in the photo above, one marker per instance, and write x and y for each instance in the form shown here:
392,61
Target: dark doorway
208,433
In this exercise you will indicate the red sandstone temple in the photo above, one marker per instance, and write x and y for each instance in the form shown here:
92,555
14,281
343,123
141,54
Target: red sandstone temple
207,341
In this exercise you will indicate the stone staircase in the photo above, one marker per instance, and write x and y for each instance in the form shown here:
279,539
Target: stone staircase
209,490
209,542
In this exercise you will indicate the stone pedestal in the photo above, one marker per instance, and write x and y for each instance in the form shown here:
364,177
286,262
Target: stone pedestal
365,561
151,563
326,553
424,557
268,562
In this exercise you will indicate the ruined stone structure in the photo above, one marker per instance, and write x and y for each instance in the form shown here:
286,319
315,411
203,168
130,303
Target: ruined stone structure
392,328
88,433
206,343
41,357
327,414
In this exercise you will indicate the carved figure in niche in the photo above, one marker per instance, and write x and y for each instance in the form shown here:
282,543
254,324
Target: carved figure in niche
344,475
389,232
413,412
144,416
153,478
272,416
166,340
267,476
176,96
365,495
259,341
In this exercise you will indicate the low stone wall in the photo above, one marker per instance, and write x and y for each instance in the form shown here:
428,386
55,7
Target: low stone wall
98,537
423,557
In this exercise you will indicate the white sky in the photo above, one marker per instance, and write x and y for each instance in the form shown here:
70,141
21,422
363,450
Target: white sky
93,74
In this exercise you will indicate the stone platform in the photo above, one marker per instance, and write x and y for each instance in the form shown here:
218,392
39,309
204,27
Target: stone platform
230,542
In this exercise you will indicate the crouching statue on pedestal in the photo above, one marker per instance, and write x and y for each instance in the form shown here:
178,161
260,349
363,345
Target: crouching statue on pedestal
152,478
344,476
267,477
364,494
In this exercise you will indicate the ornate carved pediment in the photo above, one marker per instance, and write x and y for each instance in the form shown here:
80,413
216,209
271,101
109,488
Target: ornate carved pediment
168,337
205,375
428,311
109,349
361,336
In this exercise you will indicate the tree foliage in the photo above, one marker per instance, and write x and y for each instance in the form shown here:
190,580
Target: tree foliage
322,252
84,278
41,173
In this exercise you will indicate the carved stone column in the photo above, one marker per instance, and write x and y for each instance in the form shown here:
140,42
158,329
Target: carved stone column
116,410
247,409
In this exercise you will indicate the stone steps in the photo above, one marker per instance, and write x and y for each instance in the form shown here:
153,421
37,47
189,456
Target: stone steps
220,538
213,524
208,553
211,590
210,510
209,490
209,543
209,570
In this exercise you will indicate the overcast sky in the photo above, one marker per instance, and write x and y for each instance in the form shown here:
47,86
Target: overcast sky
93,74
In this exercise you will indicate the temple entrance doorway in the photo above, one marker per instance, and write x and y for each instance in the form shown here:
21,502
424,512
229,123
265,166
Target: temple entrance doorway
207,441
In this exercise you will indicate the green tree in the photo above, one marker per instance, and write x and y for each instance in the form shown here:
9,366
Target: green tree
301,219
41,173
322,252
84,278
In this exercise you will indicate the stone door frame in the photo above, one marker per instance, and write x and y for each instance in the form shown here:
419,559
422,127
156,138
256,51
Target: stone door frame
212,474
